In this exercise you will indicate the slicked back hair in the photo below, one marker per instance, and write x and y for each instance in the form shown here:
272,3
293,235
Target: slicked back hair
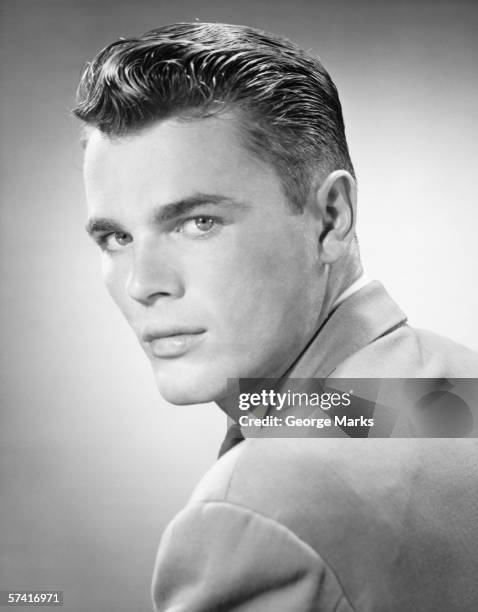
287,104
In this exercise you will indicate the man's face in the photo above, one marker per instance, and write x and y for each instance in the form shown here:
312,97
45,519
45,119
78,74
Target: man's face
201,252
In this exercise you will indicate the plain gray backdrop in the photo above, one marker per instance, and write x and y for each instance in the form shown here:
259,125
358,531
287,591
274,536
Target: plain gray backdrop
93,463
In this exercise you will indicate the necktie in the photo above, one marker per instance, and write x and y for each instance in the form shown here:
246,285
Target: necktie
233,436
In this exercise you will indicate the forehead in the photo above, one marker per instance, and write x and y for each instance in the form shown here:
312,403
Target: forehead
173,159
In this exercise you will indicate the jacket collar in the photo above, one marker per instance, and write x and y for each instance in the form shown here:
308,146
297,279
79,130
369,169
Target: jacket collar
363,317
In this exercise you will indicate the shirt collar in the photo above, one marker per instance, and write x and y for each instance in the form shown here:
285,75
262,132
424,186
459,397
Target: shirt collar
361,281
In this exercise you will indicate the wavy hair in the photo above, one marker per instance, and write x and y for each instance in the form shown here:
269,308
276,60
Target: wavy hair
287,104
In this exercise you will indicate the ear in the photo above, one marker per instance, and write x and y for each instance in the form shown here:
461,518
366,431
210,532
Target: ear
336,204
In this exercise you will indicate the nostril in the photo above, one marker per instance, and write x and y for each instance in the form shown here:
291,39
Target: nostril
148,289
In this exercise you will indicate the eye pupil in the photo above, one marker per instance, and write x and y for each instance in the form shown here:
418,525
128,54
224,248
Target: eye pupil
121,238
204,223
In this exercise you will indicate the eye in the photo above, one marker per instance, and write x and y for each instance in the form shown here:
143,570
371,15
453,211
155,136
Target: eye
200,225
116,241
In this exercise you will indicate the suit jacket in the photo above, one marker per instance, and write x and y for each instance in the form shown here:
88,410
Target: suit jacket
336,525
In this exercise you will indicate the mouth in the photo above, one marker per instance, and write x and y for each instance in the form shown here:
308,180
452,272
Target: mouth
173,343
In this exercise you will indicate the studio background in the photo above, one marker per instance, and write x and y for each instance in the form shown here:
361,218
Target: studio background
93,463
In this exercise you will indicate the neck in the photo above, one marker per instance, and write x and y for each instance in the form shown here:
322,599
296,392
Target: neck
340,276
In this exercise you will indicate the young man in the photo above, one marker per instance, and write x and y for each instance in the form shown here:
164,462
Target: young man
221,192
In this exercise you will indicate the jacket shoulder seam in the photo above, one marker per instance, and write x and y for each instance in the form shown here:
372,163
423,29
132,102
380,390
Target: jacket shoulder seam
278,524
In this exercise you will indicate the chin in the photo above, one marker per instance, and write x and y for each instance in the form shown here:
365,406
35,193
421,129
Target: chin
187,380
184,388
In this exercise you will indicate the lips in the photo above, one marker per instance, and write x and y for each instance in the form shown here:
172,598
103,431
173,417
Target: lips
172,342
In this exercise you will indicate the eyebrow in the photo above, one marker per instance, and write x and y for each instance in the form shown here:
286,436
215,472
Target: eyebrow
168,212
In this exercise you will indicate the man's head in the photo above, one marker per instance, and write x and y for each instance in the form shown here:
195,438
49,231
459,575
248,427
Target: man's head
220,189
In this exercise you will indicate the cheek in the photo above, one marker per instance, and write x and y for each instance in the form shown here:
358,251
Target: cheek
110,275
261,287
114,278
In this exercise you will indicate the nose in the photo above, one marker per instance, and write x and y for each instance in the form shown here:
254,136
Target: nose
153,274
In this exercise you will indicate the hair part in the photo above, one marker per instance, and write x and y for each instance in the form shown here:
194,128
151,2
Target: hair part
285,100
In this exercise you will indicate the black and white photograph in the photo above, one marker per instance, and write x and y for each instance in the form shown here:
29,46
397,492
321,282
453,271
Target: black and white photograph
238,306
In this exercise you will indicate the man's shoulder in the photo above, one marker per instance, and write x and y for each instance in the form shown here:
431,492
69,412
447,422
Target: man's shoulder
232,544
273,475
370,500
309,483
410,352
300,484
361,505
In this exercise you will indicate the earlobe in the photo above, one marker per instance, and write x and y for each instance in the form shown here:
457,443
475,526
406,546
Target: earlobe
336,201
